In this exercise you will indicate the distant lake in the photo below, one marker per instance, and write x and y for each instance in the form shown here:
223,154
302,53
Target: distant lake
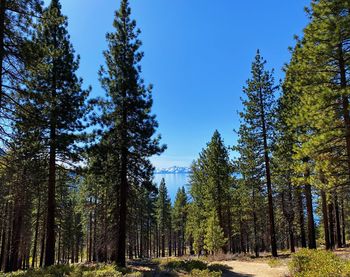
173,182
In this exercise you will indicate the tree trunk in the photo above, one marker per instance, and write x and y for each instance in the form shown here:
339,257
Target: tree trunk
6,258
163,244
301,217
42,244
35,242
3,235
331,225
123,202
50,221
255,228
309,209
343,221
337,220
310,217
90,234
268,180
94,258
16,236
169,241
325,219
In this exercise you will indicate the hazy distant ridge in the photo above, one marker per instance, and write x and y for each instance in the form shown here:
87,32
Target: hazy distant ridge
173,170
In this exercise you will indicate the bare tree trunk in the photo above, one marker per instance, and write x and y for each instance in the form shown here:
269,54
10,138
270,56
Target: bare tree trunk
169,241
94,258
301,217
42,246
325,219
51,201
337,220
268,180
123,198
16,236
343,220
331,225
90,234
3,235
309,209
34,256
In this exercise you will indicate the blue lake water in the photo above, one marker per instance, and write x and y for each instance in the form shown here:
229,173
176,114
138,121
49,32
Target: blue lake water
173,182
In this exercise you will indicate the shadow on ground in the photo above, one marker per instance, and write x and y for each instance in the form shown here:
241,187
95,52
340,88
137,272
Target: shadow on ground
151,269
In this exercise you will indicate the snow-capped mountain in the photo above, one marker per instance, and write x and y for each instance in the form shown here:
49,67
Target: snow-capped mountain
173,170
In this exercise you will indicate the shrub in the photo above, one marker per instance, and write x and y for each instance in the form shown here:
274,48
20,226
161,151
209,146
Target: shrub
105,271
73,271
314,263
274,262
218,267
182,265
205,273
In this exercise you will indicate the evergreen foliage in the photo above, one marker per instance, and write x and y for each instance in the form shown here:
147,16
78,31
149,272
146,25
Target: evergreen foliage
71,194
130,126
257,129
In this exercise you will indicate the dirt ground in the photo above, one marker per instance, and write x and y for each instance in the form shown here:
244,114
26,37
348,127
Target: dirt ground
250,269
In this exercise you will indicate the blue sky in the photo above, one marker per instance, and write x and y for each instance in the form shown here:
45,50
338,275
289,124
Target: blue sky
197,55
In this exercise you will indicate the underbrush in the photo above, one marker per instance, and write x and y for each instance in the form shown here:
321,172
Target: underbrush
274,262
317,263
173,267
75,271
193,267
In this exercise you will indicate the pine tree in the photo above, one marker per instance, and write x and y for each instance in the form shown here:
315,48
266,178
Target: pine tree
59,101
214,237
128,116
163,205
248,195
258,116
282,163
179,218
321,120
210,189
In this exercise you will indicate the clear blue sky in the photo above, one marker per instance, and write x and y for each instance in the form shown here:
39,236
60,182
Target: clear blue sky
197,54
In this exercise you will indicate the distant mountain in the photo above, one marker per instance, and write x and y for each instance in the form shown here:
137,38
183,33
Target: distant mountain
173,170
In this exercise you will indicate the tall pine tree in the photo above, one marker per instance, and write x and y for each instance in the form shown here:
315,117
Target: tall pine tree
210,189
163,211
58,98
258,117
128,115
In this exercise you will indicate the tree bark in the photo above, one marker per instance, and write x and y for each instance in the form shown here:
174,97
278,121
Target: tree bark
300,206
123,195
16,236
337,220
325,219
331,225
343,221
3,237
90,234
42,245
35,242
51,202
310,218
268,179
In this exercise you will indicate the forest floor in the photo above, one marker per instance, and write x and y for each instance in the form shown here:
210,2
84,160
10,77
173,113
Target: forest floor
237,267
250,269
229,265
